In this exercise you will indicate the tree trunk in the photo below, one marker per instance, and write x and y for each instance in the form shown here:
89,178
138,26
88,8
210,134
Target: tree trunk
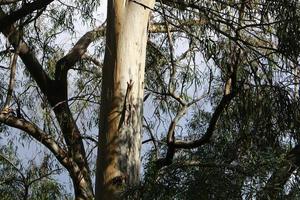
118,161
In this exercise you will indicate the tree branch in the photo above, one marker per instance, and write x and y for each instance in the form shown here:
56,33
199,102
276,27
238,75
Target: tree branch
77,52
32,64
230,91
42,137
56,93
211,127
8,20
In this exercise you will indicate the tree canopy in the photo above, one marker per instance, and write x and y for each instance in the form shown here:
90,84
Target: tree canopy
219,113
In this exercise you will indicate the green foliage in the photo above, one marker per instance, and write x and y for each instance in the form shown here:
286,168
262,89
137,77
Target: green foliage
288,29
251,140
28,182
252,136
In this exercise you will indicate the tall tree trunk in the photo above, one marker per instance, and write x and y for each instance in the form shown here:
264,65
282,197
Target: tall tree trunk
118,161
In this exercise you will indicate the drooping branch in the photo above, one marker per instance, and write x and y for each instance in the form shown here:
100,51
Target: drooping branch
38,134
8,20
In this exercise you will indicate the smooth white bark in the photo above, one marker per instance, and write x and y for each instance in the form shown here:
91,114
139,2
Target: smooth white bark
122,97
